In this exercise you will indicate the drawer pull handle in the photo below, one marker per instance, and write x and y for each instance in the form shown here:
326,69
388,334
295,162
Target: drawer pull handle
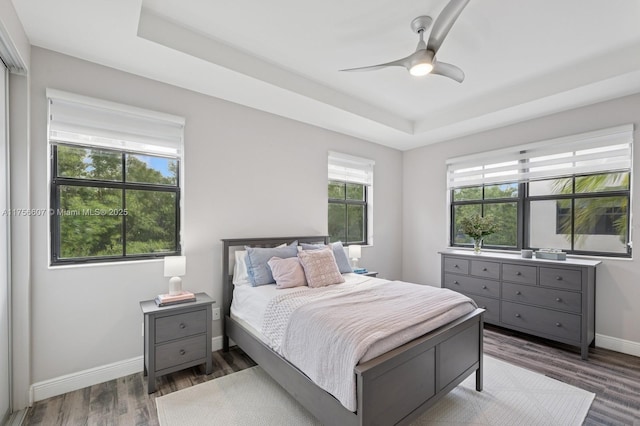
183,325
559,278
456,266
456,282
517,315
484,269
484,287
558,324
182,352
518,293
518,273
558,299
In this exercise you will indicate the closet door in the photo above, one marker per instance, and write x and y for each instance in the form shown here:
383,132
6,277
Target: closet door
5,377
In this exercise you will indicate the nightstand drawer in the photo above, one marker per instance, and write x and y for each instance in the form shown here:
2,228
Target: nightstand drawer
519,273
545,321
485,269
544,297
180,352
182,325
465,284
569,279
458,266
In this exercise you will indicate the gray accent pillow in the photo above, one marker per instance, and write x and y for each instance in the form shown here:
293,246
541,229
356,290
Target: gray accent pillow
257,258
338,252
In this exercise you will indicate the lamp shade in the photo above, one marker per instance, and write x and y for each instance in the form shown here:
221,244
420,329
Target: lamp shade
175,266
355,252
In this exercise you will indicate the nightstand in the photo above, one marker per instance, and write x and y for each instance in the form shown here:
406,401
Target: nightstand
176,337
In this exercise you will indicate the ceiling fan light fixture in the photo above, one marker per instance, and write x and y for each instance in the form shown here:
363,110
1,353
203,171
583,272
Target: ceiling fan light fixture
421,69
421,63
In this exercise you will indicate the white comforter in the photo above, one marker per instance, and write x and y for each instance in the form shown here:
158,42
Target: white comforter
326,332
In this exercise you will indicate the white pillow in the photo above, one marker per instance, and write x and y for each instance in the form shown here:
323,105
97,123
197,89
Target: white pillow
240,273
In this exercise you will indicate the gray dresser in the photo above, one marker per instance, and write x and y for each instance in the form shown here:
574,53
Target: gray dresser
176,337
546,298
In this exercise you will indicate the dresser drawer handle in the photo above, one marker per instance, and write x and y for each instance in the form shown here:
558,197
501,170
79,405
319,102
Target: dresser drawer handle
518,273
183,325
484,287
456,282
517,315
182,352
518,293
558,324
484,269
558,299
559,278
456,266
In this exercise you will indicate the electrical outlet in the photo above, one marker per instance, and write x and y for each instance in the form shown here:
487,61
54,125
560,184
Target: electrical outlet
215,314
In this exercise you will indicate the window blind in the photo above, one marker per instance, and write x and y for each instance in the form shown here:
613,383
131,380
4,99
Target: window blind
348,168
81,120
600,151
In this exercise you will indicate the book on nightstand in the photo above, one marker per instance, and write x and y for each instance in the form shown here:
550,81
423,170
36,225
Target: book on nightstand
174,299
360,270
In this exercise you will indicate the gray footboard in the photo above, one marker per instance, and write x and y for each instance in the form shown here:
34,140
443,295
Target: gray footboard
394,388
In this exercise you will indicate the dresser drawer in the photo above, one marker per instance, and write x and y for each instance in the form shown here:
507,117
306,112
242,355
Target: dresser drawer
484,269
543,321
570,279
179,352
492,307
181,325
544,297
458,266
519,273
466,284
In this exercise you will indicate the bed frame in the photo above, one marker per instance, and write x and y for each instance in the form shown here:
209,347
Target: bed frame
393,388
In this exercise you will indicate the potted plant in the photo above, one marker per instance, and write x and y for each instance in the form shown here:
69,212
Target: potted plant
478,227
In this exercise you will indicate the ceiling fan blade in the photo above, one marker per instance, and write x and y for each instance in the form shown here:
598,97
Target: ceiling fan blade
444,23
399,63
448,70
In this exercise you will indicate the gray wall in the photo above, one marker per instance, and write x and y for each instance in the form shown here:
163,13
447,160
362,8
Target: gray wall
247,173
425,211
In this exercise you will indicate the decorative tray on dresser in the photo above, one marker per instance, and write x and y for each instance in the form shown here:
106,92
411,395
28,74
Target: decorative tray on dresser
554,299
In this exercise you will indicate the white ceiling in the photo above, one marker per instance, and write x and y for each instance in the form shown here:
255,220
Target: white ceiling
522,58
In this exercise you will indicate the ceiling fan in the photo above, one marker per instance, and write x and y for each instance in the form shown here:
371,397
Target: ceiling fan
423,61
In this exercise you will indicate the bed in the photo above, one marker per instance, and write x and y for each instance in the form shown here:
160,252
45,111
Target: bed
394,387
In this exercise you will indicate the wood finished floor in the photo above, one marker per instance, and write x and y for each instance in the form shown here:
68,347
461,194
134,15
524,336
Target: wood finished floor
612,376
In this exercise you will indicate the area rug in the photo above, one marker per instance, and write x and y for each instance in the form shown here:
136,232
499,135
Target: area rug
511,396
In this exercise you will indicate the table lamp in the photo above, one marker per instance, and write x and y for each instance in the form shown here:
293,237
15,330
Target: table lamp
355,253
175,267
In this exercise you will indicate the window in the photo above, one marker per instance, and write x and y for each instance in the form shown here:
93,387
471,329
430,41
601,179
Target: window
115,181
571,193
349,198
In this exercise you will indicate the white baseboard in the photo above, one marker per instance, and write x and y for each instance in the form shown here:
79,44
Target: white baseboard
82,379
618,345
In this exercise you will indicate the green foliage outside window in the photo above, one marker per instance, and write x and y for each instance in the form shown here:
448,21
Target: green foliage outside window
347,212
111,204
590,213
